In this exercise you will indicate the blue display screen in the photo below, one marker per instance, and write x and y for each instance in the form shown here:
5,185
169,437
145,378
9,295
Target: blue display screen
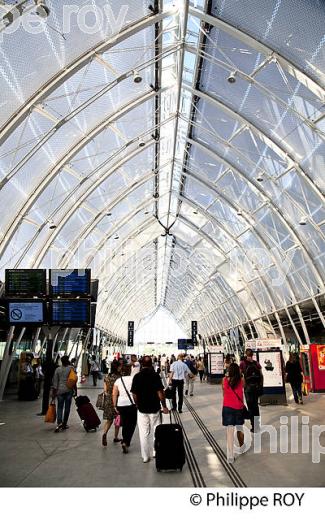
185,344
71,312
66,282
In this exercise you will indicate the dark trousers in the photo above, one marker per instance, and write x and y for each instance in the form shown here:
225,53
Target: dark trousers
95,377
178,384
129,422
64,402
296,390
201,373
251,397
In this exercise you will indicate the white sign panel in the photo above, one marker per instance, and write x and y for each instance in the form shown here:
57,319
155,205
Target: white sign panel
263,343
271,368
25,312
216,367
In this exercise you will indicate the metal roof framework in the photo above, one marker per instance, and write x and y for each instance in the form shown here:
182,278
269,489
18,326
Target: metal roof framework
199,188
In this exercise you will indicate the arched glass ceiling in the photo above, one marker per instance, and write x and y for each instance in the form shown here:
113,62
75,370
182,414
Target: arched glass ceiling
199,188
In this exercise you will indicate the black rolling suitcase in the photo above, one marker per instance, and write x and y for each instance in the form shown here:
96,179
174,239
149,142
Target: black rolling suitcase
169,447
87,413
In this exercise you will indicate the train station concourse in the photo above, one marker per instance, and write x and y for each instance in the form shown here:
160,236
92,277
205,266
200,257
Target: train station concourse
162,252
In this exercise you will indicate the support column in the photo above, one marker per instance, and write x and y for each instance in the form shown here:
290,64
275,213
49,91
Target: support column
49,368
6,362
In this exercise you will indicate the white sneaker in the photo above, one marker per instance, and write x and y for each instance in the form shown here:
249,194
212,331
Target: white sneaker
146,460
230,460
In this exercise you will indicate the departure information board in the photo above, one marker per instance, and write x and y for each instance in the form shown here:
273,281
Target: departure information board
25,282
70,282
25,312
71,313
185,344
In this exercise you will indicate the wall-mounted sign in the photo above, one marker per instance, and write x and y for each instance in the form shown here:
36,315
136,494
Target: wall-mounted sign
260,344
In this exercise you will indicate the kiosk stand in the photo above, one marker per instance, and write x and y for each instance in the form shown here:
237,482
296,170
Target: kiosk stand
215,367
271,361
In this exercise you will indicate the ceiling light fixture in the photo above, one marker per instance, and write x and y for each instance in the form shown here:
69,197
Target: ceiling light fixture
136,77
232,77
41,9
52,225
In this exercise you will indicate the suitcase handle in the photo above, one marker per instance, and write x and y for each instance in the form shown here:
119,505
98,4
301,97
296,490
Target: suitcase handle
161,416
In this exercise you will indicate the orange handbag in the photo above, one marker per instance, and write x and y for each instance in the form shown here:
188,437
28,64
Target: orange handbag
51,413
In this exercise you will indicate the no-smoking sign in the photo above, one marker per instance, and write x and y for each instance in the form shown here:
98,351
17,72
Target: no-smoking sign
16,314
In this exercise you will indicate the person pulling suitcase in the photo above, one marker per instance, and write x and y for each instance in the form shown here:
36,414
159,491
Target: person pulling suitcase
63,393
148,393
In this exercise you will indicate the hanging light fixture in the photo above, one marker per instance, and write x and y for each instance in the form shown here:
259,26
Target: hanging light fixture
232,77
42,10
52,224
137,78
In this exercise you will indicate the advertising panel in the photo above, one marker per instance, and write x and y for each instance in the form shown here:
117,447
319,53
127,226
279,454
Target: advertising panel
271,363
267,343
216,364
321,357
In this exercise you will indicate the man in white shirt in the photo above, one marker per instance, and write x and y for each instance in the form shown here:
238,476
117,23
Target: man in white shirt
178,372
135,365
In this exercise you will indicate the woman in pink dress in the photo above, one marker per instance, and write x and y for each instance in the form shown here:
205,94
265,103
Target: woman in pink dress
233,408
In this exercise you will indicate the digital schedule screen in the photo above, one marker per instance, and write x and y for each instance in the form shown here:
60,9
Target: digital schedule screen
25,312
185,344
70,282
25,282
73,313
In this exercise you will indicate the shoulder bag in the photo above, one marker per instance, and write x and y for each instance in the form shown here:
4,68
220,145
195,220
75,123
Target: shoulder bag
245,411
100,401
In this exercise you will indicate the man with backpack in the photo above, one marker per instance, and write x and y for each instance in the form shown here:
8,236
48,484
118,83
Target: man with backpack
253,380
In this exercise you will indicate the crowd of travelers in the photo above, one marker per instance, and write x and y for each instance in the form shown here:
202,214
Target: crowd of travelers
134,395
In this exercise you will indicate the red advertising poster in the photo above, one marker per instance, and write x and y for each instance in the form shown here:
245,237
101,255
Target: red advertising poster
321,357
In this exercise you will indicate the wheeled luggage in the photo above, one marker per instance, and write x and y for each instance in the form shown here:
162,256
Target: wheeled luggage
87,413
169,447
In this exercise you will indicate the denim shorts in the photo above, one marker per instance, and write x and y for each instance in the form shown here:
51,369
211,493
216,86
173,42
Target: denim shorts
232,416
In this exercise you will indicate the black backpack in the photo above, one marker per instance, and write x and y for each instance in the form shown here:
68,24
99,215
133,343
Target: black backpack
192,368
252,374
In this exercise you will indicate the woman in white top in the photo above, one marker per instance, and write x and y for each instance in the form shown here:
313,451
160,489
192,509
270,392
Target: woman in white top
124,405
